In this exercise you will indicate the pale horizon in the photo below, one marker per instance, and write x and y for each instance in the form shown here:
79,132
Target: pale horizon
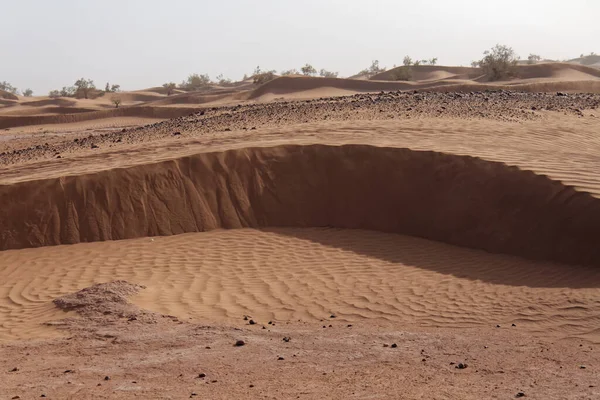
140,44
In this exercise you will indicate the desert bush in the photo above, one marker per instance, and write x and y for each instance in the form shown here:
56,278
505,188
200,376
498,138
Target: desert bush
433,61
169,87
328,74
7,87
222,80
27,92
67,91
403,73
195,82
53,94
499,62
116,100
84,86
308,70
407,61
475,64
292,71
264,77
533,58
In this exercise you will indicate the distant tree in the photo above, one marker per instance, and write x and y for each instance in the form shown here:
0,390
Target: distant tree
116,100
403,73
499,62
292,71
475,64
223,81
245,77
84,86
53,94
169,87
7,87
433,61
308,70
67,91
115,88
417,63
195,82
27,92
264,77
407,61
107,87
424,62
328,74
533,58
257,71
375,68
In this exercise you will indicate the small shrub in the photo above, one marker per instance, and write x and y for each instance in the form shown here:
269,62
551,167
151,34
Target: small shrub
54,94
288,72
499,62
27,92
533,59
264,77
328,74
308,70
116,100
169,87
402,73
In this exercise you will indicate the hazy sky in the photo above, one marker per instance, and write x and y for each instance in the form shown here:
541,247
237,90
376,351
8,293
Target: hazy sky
47,44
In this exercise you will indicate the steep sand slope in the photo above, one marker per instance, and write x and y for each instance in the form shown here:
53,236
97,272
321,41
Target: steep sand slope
455,199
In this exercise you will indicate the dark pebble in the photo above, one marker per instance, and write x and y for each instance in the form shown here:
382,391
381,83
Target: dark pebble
201,375
239,343
252,322
280,358
107,378
394,345
287,339
461,366
520,394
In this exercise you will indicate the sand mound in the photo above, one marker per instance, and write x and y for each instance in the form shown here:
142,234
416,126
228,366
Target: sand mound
7,121
101,299
286,85
7,96
556,71
432,72
454,199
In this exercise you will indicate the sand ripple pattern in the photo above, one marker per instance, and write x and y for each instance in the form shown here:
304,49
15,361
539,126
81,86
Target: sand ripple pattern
307,274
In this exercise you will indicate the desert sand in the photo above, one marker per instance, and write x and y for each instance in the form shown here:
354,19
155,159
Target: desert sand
437,238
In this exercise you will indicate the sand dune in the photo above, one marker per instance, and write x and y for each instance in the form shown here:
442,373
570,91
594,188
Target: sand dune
432,72
288,274
7,121
7,96
459,200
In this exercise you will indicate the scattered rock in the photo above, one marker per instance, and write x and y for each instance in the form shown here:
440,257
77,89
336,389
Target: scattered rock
520,394
239,343
582,367
461,366
15,369
280,358
68,371
332,316
386,345
107,378
394,345
201,375
287,339
176,133
252,322
513,325
93,146
251,386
